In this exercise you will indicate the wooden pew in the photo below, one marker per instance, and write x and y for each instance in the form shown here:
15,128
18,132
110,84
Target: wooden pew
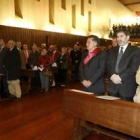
0,83
26,85
54,70
116,116
0,80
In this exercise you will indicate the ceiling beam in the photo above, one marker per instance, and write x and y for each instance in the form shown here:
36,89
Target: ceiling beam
133,3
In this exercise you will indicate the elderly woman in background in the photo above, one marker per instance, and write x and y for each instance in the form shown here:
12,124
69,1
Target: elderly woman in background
44,66
137,95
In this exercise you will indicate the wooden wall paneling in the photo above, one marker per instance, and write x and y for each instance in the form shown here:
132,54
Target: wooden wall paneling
31,36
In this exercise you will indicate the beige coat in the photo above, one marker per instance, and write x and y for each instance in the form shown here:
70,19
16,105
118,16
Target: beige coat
137,95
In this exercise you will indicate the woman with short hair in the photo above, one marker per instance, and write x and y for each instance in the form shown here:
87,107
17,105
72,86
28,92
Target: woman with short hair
44,66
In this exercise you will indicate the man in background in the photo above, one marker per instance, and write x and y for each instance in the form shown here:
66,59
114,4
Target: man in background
24,57
76,59
114,42
19,45
3,51
54,64
12,65
50,50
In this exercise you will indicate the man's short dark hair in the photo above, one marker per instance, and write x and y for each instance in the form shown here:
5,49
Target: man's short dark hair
125,31
94,38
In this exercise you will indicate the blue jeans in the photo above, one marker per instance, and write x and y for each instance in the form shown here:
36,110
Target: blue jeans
44,81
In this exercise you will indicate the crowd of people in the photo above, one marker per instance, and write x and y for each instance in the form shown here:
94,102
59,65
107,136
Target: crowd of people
133,29
45,62
90,66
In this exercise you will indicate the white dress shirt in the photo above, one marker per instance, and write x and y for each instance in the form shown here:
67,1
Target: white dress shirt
124,48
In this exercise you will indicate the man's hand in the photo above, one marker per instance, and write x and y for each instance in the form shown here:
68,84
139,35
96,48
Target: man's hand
89,83
86,83
41,66
116,79
31,66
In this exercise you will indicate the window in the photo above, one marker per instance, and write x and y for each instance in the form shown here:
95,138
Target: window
89,1
18,9
51,11
82,7
63,4
74,16
89,21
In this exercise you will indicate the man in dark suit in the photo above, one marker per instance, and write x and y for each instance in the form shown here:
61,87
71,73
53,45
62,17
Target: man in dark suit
50,50
12,65
76,59
92,67
54,64
3,51
123,62
63,66
19,45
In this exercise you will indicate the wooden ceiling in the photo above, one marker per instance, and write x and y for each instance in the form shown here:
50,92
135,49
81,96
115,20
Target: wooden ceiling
133,5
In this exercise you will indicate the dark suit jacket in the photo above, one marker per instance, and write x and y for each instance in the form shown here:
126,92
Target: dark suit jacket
94,71
33,58
13,64
2,58
75,56
55,58
128,66
62,62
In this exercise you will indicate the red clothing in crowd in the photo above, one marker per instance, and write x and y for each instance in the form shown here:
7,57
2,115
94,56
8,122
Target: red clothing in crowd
68,58
54,57
45,61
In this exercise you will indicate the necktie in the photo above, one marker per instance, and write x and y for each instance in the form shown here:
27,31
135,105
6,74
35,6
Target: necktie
53,56
26,56
118,60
